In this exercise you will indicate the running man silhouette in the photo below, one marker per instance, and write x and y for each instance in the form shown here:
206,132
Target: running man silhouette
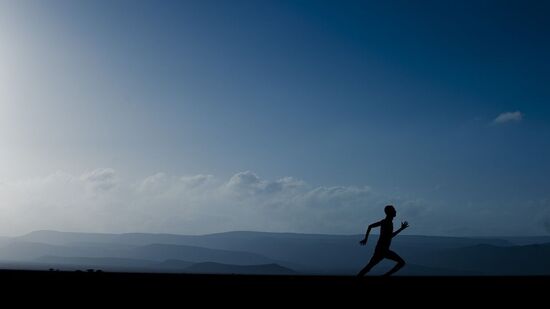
382,250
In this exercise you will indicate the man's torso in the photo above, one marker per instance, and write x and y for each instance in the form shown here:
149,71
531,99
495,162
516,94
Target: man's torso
386,231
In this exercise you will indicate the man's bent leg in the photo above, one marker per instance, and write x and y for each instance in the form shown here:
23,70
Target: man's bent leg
376,258
394,257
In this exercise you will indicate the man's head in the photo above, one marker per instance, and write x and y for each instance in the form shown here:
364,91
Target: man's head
390,211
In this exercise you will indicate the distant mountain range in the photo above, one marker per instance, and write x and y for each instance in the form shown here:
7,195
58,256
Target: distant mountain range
273,253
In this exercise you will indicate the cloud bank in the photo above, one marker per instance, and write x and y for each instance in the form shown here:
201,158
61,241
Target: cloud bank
100,201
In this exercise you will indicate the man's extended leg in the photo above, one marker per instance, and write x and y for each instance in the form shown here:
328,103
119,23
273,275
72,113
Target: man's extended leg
394,257
376,258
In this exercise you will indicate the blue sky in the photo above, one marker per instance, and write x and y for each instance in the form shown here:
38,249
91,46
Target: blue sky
441,107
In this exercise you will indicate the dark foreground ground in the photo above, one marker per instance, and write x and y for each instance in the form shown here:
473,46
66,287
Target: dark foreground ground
179,290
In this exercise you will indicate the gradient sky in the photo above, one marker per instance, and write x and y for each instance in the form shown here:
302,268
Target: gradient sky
302,116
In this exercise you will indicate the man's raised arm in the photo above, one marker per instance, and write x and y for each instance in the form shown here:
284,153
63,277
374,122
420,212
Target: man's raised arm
364,241
404,225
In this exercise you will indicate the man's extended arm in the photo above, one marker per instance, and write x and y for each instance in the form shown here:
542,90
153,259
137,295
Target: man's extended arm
404,225
364,241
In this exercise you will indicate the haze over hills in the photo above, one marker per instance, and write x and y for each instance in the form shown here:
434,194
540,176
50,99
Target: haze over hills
273,253
217,268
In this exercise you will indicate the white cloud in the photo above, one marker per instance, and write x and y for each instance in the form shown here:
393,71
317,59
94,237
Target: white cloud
101,179
154,183
507,117
191,182
188,204
249,183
